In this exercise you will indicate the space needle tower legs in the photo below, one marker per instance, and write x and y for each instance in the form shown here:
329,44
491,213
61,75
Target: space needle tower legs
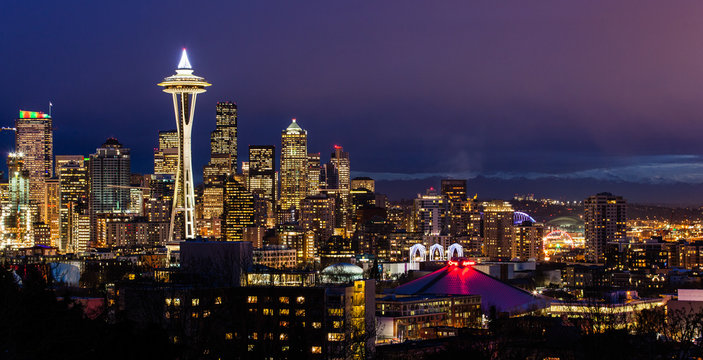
184,87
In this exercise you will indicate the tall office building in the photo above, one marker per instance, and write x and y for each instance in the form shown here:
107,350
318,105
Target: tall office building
19,212
34,140
498,229
262,172
223,141
166,156
184,88
605,217
238,209
313,173
73,190
294,166
109,173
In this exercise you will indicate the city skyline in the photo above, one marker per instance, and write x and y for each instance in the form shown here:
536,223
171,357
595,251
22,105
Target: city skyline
555,96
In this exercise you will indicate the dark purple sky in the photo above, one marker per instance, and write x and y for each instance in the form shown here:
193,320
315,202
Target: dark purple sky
602,89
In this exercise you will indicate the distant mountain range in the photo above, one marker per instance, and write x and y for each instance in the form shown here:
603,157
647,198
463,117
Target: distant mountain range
674,194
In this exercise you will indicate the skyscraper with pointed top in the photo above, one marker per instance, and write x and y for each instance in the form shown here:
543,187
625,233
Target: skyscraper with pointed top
294,166
184,87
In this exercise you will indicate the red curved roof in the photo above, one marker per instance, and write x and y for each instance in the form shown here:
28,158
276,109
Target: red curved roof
459,280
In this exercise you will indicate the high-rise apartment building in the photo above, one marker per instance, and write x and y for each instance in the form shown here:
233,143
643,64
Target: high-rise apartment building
34,140
527,241
605,217
109,172
294,166
498,229
238,209
317,218
313,173
166,156
430,210
73,190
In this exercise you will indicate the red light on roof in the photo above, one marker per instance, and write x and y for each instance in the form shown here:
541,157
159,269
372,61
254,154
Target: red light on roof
337,147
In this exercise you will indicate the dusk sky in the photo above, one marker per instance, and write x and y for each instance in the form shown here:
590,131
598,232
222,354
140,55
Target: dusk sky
411,89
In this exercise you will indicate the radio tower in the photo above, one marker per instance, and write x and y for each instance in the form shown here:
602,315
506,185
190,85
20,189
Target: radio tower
184,87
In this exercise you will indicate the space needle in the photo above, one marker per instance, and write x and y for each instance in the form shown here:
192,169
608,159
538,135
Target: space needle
184,87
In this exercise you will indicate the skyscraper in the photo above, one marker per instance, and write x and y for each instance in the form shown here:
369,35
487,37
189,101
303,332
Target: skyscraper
50,209
73,189
19,213
605,217
262,172
166,156
184,88
430,210
317,220
34,140
294,166
109,172
313,173
458,217
527,241
497,229
223,140
238,209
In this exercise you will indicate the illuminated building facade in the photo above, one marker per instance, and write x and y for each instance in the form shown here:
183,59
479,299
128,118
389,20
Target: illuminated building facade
294,166
184,88
497,229
313,173
317,219
223,140
238,210
18,219
262,174
50,209
527,241
429,211
34,139
340,160
459,207
363,183
166,156
109,173
605,217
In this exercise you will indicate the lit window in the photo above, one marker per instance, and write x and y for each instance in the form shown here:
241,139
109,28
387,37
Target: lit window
337,324
283,336
195,302
168,301
283,324
316,325
300,300
316,350
284,300
252,299
335,337
206,313
300,312
283,312
176,302
194,315
268,311
250,347
228,336
218,300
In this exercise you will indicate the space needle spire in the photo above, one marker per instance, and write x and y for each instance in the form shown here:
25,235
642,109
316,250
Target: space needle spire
184,87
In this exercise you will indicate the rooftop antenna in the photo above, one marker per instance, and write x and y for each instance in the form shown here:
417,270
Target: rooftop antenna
50,105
